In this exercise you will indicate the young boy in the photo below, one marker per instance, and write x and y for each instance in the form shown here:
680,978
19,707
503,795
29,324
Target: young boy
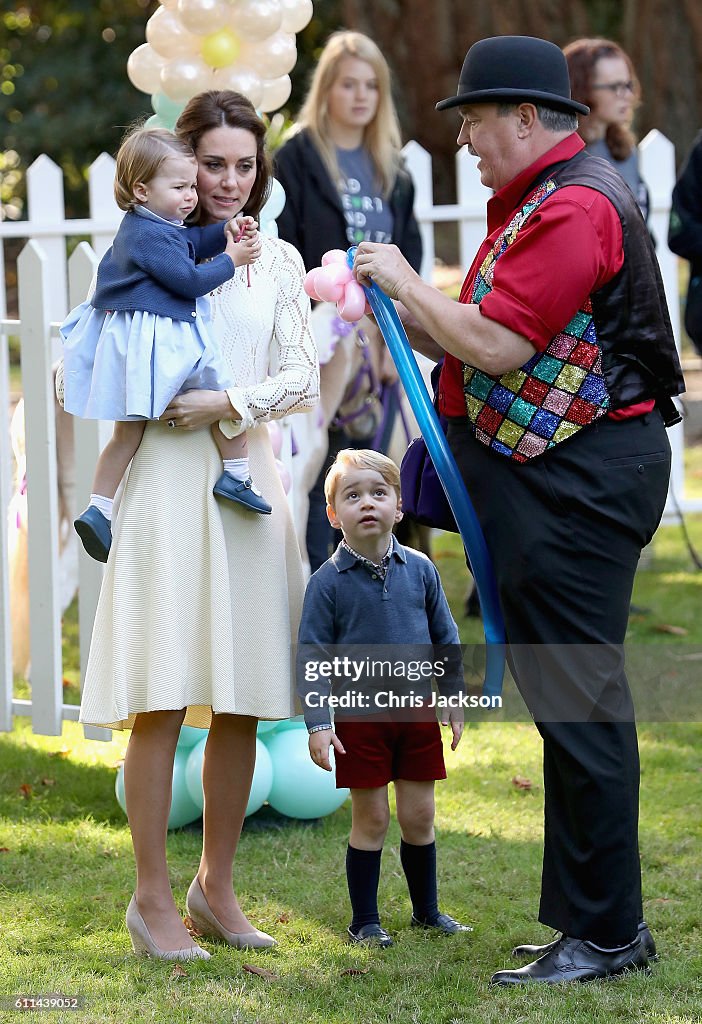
373,591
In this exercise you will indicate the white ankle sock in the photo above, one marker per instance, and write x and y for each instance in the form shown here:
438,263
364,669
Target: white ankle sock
238,468
102,504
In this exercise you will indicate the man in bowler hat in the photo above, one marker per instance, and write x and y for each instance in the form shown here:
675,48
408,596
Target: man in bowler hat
558,377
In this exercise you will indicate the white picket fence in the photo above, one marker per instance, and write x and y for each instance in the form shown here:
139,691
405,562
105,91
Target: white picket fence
49,285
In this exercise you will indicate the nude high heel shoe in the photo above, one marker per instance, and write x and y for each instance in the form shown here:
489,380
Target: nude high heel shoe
204,920
144,945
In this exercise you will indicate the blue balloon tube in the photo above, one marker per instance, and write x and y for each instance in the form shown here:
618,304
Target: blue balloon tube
466,519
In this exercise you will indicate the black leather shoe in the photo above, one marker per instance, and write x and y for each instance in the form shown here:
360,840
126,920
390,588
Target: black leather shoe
534,952
442,923
577,960
371,935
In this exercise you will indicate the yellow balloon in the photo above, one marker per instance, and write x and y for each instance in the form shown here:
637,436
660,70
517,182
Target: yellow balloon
220,49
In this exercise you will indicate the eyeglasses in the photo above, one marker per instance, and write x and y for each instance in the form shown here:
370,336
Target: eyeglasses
618,88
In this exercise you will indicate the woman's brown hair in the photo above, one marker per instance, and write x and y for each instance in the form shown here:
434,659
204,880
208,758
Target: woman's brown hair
219,108
582,56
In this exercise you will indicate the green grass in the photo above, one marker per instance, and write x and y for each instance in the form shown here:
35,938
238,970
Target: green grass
66,874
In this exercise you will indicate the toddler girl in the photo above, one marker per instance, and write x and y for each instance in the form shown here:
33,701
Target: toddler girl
142,337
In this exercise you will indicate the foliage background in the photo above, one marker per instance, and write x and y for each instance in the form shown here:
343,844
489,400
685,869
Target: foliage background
64,89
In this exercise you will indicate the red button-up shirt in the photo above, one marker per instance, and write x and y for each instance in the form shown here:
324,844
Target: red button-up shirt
568,249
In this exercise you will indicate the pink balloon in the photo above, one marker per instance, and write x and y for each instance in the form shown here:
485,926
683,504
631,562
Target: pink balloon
329,288
309,284
353,304
284,475
339,273
276,437
334,256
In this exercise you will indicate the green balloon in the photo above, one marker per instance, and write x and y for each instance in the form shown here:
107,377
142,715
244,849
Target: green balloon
155,122
190,736
183,807
168,110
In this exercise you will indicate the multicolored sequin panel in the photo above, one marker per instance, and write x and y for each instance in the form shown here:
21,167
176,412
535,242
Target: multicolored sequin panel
557,392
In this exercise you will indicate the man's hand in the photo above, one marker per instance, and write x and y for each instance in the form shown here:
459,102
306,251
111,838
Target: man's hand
319,743
383,264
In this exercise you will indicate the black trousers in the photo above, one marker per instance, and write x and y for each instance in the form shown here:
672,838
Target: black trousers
565,533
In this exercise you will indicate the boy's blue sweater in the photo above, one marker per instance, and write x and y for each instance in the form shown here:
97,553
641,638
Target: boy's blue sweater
345,604
150,266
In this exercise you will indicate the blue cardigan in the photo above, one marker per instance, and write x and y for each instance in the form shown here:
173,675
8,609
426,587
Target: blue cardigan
151,267
350,611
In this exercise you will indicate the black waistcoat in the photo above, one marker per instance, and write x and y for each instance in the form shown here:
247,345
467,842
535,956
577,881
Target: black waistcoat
639,357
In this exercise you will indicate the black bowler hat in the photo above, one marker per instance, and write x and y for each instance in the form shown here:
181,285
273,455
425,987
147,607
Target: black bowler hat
504,69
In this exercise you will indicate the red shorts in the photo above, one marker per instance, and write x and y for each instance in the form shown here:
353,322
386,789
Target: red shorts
379,752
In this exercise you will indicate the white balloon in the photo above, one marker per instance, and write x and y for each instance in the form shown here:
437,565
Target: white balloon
275,93
239,79
184,77
256,19
273,207
203,16
272,57
296,14
144,68
168,36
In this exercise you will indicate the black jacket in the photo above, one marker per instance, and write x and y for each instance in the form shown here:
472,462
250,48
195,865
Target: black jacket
313,218
685,231
685,236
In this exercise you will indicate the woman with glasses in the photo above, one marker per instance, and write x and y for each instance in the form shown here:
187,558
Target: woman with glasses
603,77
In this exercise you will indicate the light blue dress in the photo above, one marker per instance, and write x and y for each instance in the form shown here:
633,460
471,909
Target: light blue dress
130,364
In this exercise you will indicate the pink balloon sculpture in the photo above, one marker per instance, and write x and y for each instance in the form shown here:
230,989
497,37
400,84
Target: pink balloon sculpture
334,282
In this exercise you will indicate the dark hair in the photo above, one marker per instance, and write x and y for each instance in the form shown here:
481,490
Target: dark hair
217,108
582,56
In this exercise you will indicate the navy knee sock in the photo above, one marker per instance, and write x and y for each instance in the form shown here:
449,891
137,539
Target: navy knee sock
419,866
363,876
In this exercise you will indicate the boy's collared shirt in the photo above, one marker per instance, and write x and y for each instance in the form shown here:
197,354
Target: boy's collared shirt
345,607
377,570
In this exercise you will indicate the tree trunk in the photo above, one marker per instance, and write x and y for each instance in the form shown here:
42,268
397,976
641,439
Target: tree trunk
425,44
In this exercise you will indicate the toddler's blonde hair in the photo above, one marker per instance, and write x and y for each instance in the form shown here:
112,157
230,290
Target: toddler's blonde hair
360,458
142,152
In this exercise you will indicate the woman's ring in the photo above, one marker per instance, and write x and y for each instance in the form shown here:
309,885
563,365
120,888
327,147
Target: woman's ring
171,423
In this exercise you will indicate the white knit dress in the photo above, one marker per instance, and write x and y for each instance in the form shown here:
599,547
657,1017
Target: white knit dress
200,600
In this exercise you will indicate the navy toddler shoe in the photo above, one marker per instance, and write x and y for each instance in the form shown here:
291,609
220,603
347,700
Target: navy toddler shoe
95,533
242,492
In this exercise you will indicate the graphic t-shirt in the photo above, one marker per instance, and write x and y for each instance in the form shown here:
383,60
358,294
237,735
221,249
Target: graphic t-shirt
368,215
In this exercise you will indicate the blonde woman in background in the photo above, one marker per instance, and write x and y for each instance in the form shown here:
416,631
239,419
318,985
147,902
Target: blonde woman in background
345,183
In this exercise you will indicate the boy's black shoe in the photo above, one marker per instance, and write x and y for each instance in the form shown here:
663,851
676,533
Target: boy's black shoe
534,952
371,935
577,960
442,923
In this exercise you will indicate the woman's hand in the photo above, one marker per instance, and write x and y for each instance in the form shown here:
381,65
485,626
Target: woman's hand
194,409
383,264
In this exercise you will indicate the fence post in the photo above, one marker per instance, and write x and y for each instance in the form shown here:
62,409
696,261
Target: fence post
45,206
103,207
90,436
5,625
657,160
419,166
42,494
472,197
